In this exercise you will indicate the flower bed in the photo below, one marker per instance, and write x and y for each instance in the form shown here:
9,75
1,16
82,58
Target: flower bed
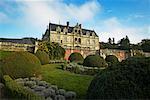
80,69
46,90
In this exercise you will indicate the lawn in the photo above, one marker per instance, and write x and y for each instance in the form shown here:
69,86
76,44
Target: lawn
4,54
66,80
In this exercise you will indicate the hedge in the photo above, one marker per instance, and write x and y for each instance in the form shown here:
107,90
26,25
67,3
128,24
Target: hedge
76,57
43,57
21,64
17,91
94,61
129,80
111,60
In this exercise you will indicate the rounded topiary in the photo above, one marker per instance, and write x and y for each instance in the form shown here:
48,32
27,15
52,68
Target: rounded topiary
76,57
21,64
94,61
130,80
43,57
111,60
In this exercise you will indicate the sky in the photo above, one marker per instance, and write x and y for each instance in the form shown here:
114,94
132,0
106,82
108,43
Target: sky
108,18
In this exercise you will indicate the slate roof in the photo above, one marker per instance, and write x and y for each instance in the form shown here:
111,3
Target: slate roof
19,41
70,29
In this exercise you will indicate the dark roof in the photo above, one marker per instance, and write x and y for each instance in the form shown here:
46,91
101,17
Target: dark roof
53,27
19,41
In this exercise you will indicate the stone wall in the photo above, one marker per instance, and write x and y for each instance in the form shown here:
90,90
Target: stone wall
84,52
9,46
120,54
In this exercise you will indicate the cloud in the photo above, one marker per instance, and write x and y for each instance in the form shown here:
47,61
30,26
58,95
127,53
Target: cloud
39,13
112,27
84,12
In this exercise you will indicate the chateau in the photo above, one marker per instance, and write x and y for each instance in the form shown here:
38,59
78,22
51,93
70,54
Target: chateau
73,39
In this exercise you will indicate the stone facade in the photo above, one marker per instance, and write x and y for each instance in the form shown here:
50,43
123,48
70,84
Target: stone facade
73,39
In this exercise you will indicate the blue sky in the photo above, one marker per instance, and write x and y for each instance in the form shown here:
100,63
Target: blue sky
109,18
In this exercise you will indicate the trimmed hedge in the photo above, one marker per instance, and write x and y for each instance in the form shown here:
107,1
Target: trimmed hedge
94,61
111,60
76,57
18,91
43,57
129,80
21,64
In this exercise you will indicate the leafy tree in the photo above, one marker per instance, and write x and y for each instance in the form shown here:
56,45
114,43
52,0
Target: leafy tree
54,50
109,41
124,43
145,45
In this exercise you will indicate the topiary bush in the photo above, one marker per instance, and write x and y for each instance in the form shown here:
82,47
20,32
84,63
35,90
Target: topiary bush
111,60
94,61
17,92
129,80
76,57
43,57
21,64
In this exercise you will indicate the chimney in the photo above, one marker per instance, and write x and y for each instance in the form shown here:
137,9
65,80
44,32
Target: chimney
67,24
80,25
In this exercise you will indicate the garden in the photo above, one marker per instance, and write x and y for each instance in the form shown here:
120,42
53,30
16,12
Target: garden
46,76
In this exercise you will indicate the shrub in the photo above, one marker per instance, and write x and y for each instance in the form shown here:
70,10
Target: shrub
76,57
111,60
130,80
94,61
21,64
43,57
18,91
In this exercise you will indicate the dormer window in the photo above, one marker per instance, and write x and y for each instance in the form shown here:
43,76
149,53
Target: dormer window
79,32
58,29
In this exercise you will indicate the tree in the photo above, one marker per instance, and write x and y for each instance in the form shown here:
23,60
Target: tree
109,41
113,40
124,43
54,50
145,45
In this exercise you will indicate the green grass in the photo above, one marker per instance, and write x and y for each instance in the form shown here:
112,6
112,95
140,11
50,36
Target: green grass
4,54
66,80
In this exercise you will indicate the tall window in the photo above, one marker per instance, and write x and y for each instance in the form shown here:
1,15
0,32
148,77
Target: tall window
75,39
79,40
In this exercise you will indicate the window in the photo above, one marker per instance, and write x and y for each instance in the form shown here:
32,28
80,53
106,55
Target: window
75,39
79,32
61,41
75,30
79,40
